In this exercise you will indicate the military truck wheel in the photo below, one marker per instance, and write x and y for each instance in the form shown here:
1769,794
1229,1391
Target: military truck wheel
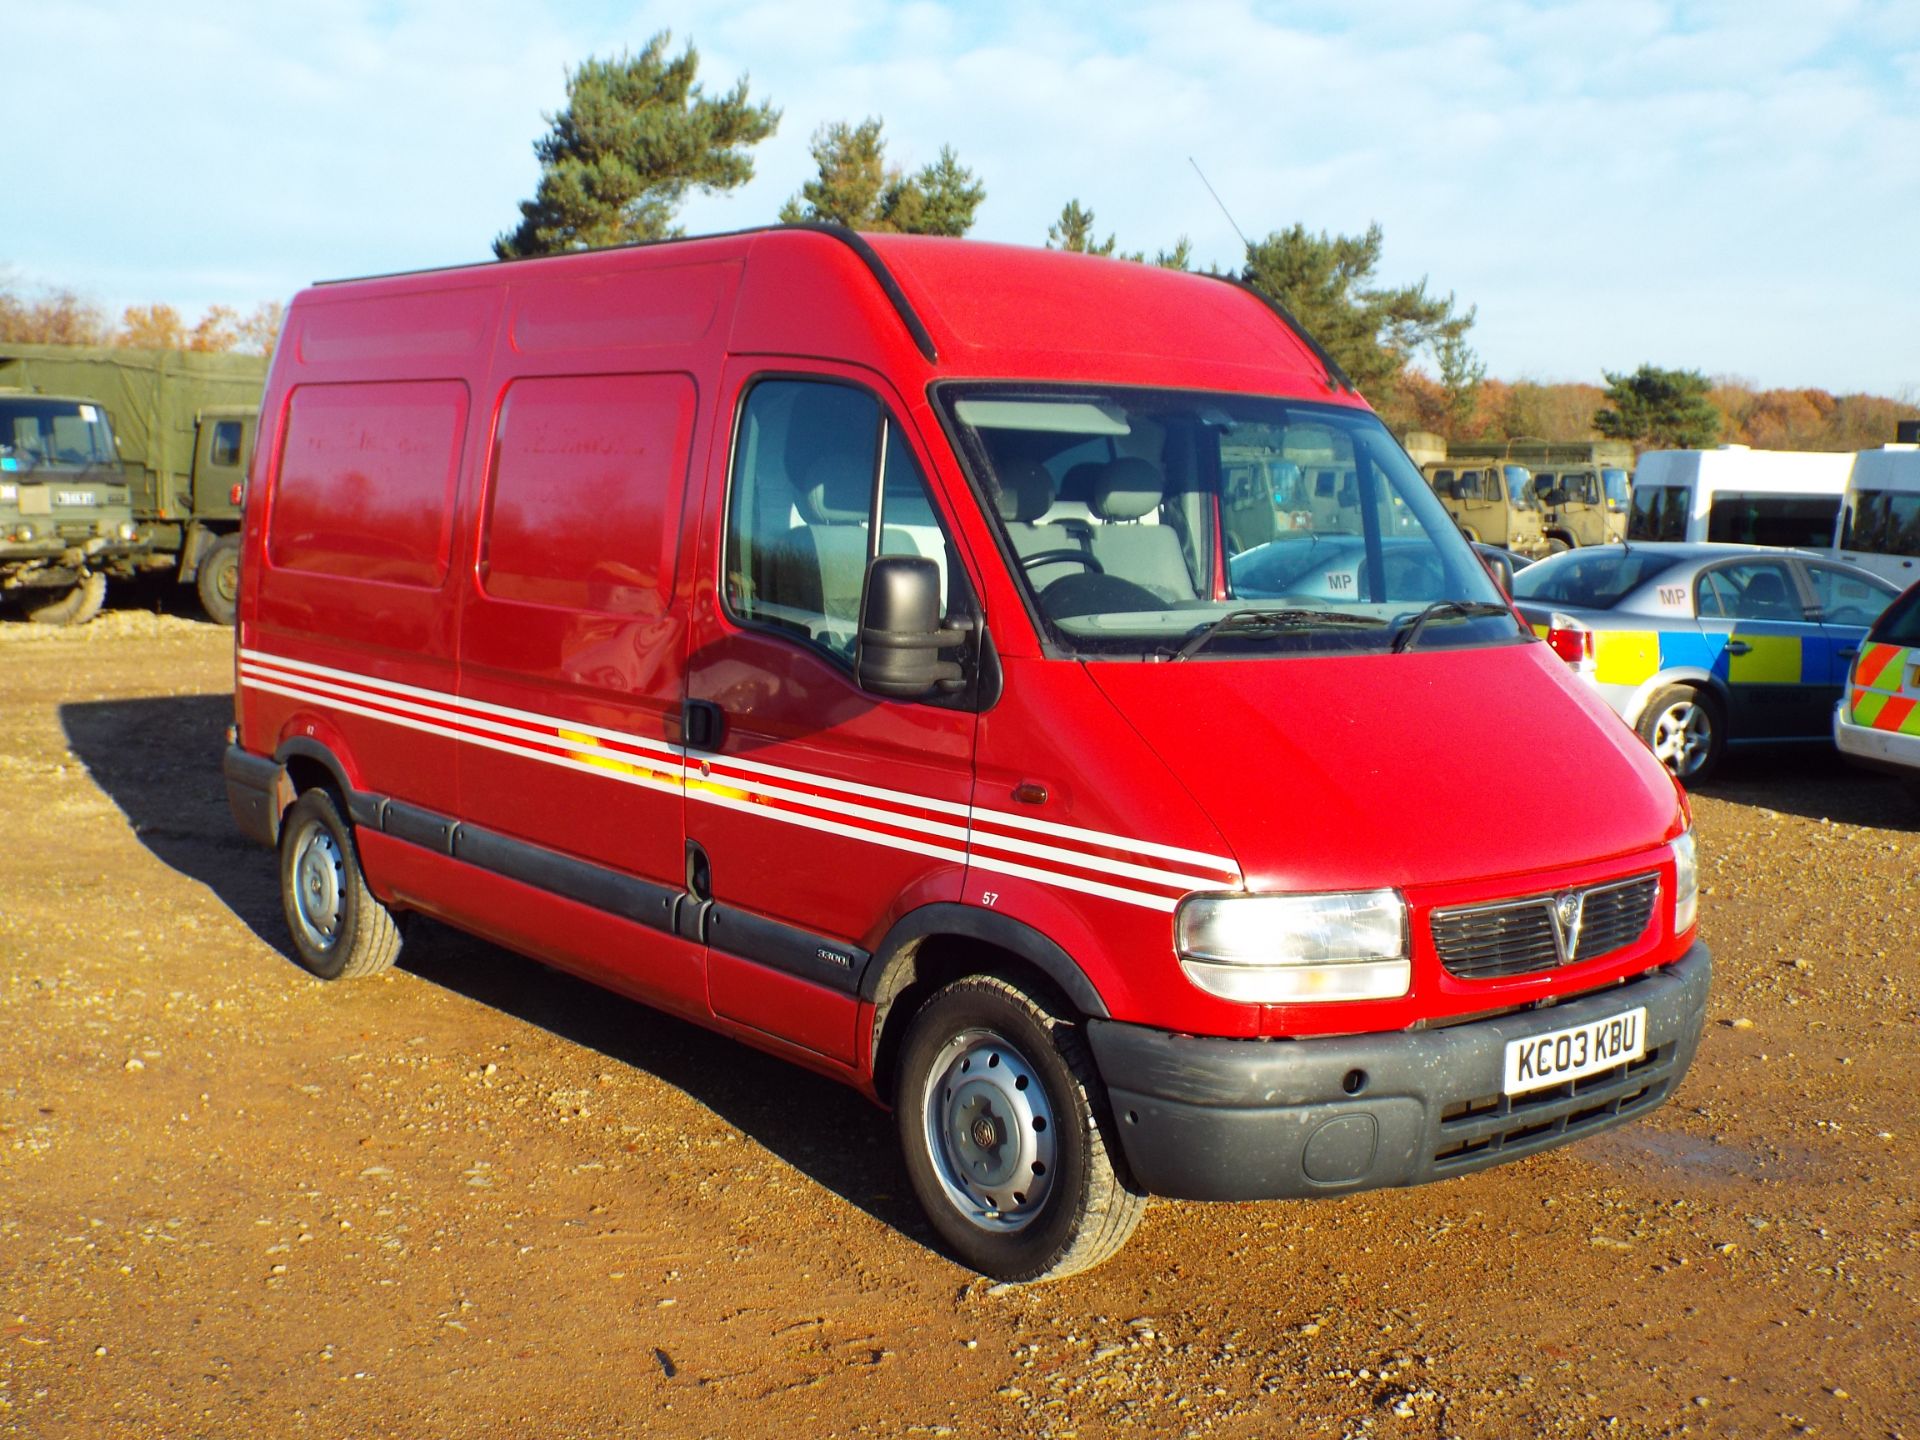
75,606
340,931
1555,545
219,579
1001,1116
1473,535
1686,729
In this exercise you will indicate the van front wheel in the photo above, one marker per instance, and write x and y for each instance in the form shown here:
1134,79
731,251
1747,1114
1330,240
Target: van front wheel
1001,1116
339,929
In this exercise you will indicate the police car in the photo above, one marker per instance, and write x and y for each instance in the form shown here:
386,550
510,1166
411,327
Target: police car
1702,646
1877,721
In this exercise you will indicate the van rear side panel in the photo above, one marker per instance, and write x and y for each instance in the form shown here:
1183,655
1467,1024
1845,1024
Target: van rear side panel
354,528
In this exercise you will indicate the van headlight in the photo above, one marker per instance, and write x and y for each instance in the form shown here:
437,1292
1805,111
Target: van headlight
1686,885
1293,949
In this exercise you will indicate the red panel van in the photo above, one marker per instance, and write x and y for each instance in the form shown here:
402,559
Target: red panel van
908,655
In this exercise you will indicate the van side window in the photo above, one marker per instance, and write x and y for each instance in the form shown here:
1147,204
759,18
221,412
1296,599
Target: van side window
584,507
226,443
365,489
800,509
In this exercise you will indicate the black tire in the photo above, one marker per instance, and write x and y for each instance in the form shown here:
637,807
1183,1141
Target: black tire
983,1062
340,931
1686,728
218,579
1557,546
75,606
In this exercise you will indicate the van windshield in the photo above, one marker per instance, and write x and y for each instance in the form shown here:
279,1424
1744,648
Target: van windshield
1160,524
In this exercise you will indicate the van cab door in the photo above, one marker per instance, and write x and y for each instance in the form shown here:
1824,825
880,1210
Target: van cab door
816,812
1770,650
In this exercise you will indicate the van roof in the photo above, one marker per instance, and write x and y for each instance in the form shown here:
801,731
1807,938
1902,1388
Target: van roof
968,308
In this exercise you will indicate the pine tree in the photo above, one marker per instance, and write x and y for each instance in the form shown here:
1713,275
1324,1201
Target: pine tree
1659,409
856,187
1325,281
637,134
1074,231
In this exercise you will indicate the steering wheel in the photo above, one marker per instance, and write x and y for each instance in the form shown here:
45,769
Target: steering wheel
1062,556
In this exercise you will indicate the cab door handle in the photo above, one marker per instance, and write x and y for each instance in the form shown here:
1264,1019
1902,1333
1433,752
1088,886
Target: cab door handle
1848,654
1739,647
702,723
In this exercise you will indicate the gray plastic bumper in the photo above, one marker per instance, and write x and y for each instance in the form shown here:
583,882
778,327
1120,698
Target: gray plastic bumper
1206,1118
253,783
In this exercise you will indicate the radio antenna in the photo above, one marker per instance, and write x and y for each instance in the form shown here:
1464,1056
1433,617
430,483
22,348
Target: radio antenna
1221,203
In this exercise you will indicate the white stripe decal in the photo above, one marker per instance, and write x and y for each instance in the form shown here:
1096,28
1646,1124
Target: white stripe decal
658,765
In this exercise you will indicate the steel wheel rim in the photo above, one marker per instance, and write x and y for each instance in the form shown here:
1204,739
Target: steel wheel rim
226,582
990,1132
1682,736
319,874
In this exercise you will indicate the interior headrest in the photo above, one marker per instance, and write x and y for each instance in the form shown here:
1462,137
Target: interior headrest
1025,491
838,491
1128,488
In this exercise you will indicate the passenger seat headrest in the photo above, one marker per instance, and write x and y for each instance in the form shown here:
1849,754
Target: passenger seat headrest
1025,491
1128,488
838,491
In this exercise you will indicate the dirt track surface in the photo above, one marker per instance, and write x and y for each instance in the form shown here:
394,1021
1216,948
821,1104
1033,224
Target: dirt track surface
479,1198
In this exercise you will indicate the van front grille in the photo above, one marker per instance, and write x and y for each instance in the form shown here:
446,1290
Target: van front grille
1541,932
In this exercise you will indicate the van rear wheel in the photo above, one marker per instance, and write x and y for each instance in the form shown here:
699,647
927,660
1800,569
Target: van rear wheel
340,931
1002,1119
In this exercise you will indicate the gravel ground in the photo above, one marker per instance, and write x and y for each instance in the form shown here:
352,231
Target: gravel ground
475,1197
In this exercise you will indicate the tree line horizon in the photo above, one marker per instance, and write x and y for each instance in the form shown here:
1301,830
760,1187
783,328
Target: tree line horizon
639,133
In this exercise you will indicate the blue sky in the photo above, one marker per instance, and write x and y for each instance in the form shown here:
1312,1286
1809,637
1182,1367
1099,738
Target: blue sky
1731,187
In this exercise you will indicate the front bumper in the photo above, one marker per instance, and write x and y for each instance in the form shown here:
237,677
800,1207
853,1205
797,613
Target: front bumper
1878,749
1203,1118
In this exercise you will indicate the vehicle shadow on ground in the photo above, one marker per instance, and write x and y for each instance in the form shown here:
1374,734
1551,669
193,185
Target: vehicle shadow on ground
1817,784
158,760
828,1132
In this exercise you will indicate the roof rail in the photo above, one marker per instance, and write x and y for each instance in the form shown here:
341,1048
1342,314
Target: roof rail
1336,377
852,239
869,257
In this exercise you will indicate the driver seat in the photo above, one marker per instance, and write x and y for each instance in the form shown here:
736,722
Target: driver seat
1023,494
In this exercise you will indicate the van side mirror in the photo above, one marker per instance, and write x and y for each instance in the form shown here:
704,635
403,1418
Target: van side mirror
900,632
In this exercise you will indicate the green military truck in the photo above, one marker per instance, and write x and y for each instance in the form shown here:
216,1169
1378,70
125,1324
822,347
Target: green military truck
1582,485
185,424
66,520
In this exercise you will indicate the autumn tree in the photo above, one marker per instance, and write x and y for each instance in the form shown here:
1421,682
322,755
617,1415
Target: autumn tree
50,317
1327,282
638,132
856,187
1658,409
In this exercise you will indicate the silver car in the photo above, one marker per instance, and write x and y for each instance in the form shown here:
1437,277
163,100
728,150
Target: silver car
1703,646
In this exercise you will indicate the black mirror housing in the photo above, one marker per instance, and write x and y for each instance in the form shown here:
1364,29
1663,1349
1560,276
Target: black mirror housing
900,632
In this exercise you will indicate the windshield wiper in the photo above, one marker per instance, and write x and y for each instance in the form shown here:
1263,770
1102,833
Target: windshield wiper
1466,609
1269,622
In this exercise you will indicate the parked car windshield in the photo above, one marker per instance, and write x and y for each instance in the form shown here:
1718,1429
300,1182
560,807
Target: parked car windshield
1162,523
1591,579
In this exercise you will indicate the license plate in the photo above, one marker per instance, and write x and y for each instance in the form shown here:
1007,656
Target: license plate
75,497
1574,1053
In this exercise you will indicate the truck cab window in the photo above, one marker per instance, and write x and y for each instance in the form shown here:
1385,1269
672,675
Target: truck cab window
226,443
